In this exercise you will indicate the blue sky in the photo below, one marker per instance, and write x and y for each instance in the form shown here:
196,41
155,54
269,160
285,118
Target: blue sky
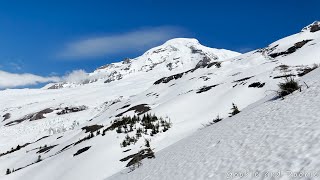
52,38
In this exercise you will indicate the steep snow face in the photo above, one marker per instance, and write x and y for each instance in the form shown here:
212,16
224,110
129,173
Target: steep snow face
192,93
174,56
270,139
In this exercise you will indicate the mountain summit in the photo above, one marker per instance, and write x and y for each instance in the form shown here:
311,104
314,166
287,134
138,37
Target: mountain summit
174,56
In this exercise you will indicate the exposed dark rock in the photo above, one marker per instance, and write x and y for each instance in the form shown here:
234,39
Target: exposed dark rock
125,106
284,76
195,50
68,110
282,67
92,128
168,79
203,62
108,80
145,153
31,117
304,71
267,49
82,150
256,85
159,50
46,149
6,116
139,109
243,79
42,138
172,77
217,120
40,115
291,49
314,27
91,135
65,148
216,63
126,61
56,86
205,78
169,66
206,88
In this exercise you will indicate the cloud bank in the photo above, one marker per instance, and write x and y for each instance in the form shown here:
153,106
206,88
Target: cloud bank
11,80
14,80
113,44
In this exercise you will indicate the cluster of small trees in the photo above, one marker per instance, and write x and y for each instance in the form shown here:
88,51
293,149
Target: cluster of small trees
147,124
128,141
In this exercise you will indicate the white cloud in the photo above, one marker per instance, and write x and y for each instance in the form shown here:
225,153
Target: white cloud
81,77
120,43
11,80
76,76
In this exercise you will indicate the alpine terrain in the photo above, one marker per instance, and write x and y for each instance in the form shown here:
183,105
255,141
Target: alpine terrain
179,111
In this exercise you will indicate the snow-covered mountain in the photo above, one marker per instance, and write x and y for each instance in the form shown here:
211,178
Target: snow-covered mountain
76,130
174,56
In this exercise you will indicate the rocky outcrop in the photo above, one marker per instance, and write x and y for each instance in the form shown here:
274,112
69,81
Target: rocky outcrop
31,117
68,110
139,109
291,49
138,157
314,27
6,116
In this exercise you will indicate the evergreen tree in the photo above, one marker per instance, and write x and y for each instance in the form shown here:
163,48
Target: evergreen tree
39,159
8,172
119,130
147,143
234,110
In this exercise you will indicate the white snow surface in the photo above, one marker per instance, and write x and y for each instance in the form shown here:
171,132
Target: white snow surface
190,99
270,139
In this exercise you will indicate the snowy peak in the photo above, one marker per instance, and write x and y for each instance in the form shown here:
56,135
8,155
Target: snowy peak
315,26
182,41
174,56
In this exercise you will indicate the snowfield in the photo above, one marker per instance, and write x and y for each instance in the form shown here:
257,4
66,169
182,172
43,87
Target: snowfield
63,131
267,137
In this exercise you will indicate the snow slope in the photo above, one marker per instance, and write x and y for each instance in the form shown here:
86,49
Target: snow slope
200,84
270,139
